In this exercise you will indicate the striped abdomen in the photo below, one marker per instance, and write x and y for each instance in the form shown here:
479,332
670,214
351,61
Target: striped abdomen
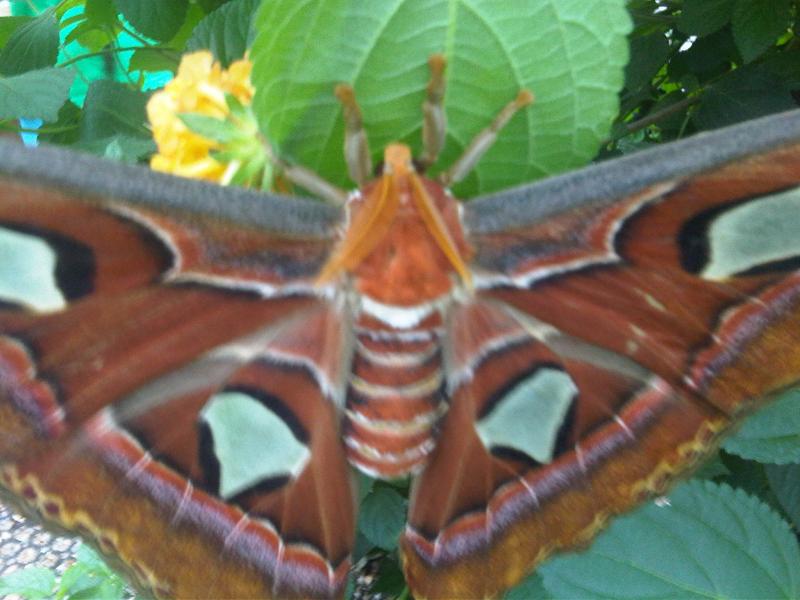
395,397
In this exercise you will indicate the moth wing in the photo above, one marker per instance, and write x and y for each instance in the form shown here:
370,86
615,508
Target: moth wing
141,319
626,316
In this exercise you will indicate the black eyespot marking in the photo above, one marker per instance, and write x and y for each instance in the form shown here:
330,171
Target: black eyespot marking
567,430
500,394
693,244
265,486
209,462
514,455
785,265
76,267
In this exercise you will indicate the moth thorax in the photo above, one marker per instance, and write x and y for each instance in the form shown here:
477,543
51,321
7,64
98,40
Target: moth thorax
408,266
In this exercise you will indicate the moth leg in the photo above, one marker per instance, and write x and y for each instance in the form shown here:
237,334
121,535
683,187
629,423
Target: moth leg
434,124
356,147
484,140
307,179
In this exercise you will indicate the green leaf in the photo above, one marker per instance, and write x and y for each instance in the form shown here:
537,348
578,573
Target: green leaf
8,25
785,483
746,93
648,55
101,12
710,541
156,19
91,36
712,468
227,32
758,23
89,578
106,589
389,582
194,15
785,66
31,583
210,5
238,110
77,579
35,94
251,173
382,516
772,435
209,127
634,142
61,8
32,46
91,559
711,55
531,588
362,547
65,129
570,53
365,486
111,108
747,475
701,17
154,59
642,15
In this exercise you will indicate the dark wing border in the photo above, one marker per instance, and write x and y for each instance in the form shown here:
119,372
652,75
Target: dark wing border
99,178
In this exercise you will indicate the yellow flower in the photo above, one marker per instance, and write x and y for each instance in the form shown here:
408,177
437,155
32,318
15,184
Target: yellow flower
199,87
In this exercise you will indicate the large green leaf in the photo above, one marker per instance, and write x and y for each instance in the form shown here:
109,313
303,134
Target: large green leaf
382,516
32,46
701,17
227,32
786,65
709,541
8,25
570,53
758,23
710,55
772,435
113,108
752,91
35,94
157,19
113,122
101,13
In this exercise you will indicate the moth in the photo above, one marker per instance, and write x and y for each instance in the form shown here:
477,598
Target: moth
188,373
